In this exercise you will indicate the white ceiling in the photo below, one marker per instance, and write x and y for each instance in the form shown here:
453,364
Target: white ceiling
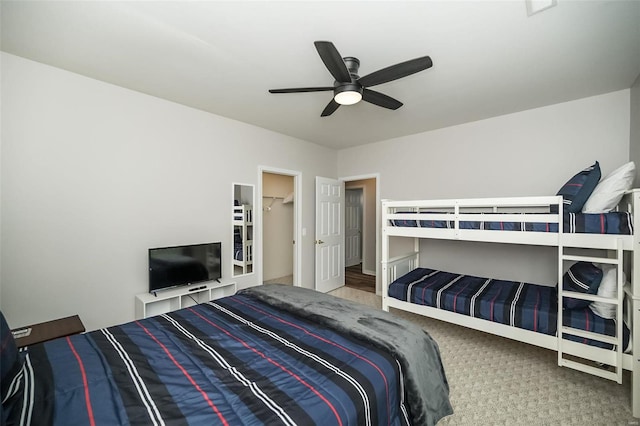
489,58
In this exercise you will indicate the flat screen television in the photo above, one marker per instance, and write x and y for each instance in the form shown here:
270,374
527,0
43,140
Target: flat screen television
183,265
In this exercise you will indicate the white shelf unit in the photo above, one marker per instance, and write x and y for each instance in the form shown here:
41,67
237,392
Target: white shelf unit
148,304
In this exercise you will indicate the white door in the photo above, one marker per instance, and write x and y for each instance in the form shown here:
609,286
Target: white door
329,234
353,227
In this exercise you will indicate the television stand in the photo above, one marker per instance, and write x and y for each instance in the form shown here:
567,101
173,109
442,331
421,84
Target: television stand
161,302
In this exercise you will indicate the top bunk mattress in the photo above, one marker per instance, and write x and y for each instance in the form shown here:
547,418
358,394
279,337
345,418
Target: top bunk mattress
617,223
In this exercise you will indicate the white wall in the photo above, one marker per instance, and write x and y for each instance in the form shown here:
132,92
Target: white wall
532,152
93,175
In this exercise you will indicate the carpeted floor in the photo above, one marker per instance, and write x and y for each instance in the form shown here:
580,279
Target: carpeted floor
497,381
288,280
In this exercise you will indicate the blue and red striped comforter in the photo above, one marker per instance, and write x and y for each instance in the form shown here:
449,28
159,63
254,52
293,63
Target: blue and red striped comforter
233,361
527,306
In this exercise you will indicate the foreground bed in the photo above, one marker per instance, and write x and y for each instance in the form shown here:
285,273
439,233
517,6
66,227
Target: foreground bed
268,355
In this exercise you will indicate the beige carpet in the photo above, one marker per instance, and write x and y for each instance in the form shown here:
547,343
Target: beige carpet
497,381
288,280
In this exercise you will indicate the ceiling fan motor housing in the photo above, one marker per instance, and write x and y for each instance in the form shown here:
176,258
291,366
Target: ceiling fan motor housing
352,65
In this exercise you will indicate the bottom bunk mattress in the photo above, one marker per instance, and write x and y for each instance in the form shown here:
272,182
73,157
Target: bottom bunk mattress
522,305
251,358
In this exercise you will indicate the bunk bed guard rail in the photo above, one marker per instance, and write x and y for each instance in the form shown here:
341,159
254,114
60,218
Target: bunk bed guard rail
479,219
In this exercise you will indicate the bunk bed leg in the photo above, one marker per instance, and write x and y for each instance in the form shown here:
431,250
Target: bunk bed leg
560,287
635,305
385,257
635,375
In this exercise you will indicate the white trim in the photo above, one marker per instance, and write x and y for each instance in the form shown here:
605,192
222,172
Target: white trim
363,218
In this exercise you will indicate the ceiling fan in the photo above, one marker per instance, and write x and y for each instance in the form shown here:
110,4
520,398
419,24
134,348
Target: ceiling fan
349,88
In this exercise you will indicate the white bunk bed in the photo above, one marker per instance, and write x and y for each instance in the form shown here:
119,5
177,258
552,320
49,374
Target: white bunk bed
243,244
617,250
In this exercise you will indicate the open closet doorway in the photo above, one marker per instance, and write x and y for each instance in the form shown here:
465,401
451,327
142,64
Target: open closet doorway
362,212
353,227
280,214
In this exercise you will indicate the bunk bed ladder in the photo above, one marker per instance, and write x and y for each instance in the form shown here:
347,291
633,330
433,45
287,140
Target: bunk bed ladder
615,361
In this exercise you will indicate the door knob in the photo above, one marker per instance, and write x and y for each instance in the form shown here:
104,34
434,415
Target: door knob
319,242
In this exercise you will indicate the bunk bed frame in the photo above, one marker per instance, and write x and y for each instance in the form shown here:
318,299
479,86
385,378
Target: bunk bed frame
242,222
619,250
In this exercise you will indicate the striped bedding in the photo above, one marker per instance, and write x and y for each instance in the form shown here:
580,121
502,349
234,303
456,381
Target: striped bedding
618,223
233,361
527,306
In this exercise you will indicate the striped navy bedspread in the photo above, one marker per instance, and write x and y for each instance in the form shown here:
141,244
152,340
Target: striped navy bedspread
234,361
523,305
618,223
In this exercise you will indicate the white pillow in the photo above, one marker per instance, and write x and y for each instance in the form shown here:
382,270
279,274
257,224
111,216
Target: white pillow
608,193
608,288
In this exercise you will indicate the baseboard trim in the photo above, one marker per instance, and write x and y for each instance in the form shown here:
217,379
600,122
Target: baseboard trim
367,272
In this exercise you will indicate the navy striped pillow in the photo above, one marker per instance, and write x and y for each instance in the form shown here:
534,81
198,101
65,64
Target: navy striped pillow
582,277
578,189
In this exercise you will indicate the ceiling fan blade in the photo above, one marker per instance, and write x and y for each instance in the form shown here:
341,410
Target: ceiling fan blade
380,99
396,71
333,61
301,89
330,108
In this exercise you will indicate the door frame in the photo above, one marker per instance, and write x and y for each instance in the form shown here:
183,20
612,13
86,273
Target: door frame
360,188
297,222
376,177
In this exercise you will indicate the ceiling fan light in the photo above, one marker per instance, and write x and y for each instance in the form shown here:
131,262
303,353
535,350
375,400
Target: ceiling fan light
348,94
348,97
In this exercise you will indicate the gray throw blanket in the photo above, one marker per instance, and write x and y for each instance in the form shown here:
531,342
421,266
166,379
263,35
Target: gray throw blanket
427,390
